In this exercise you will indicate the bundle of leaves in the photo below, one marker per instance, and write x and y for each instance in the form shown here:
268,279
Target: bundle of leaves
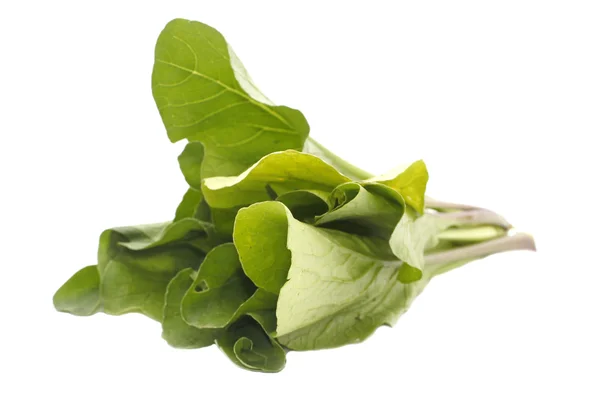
278,244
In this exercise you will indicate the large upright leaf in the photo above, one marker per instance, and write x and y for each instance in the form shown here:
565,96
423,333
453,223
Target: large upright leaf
203,93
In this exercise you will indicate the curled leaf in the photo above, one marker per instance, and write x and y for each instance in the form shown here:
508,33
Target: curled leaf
174,329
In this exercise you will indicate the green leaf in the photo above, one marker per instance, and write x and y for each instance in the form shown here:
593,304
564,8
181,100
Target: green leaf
334,288
137,263
281,171
247,345
80,295
410,182
204,94
305,204
190,163
193,206
370,209
260,236
339,289
261,306
412,236
218,291
175,330
223,220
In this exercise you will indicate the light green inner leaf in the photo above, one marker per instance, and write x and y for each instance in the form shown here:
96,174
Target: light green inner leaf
410,182
289,169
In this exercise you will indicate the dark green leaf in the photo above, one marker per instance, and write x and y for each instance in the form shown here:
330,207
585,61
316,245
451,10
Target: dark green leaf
193,206
137,263
305,204
175,330
190,162
80,295
247,345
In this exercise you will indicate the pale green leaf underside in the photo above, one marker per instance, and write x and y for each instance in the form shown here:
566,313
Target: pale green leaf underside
334,288
204,94
412,237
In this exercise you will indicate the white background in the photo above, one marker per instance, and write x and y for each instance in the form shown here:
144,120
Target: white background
501,99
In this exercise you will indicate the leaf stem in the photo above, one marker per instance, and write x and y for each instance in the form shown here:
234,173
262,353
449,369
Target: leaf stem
441,205
519,241
471,234
315,148
476,217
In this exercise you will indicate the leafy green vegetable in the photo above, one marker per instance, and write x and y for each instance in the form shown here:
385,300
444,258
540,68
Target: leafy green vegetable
203,93
335,288
278,244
